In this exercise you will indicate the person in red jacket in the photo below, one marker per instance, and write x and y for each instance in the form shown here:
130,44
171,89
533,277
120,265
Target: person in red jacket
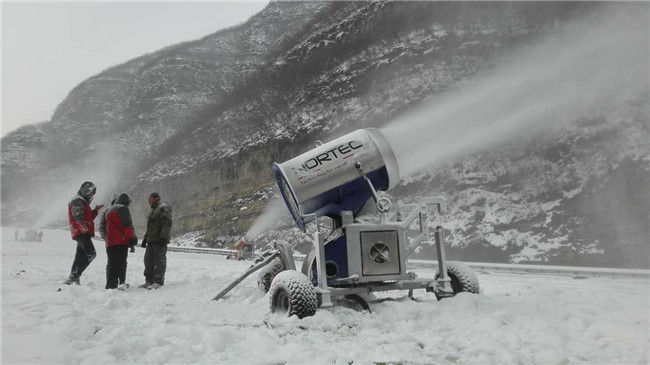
82,228
120,235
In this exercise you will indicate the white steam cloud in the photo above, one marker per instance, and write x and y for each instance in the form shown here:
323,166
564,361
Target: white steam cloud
594,64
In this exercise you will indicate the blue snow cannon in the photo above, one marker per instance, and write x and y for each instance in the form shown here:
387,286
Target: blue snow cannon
329,179
367,247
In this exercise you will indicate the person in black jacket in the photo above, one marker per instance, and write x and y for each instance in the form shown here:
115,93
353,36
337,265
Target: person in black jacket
159,225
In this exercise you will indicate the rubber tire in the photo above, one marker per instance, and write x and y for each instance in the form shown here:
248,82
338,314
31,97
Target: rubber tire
292,293
463,278
265,278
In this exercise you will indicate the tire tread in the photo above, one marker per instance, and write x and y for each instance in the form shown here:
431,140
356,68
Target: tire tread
301,293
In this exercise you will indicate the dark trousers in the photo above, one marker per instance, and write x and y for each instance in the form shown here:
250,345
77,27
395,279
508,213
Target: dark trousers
85,255
116,265
155,263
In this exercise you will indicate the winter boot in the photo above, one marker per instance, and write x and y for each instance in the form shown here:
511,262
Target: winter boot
154,286
72,280
145,285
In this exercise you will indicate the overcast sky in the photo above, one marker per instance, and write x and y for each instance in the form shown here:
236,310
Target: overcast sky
49,48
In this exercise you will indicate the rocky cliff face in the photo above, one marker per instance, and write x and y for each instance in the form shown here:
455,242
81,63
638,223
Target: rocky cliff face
201,122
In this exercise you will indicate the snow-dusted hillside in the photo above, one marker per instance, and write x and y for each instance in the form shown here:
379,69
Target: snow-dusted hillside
543,319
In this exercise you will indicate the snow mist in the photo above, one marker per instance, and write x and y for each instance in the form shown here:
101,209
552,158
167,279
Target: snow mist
593,64
102,167
274,211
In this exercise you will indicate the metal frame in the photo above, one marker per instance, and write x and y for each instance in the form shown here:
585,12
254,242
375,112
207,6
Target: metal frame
357,283
398,221
281,250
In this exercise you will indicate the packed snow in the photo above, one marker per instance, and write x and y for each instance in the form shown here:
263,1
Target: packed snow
517,319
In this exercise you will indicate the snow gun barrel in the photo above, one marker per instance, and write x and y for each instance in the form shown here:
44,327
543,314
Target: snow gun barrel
326,180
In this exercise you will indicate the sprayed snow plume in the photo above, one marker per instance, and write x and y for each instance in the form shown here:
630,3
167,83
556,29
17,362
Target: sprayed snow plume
596,63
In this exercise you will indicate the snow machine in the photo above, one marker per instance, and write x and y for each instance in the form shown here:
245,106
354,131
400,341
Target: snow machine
368,241
243,251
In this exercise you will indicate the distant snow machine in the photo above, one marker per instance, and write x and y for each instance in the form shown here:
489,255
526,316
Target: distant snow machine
244,251
366,248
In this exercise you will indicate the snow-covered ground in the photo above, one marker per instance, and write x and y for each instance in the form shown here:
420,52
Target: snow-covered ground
518,319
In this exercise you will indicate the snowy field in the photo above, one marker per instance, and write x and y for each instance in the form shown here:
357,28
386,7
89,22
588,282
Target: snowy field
518,319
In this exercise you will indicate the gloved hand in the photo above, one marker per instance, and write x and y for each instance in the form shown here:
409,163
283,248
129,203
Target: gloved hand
144,243
164,241
132,243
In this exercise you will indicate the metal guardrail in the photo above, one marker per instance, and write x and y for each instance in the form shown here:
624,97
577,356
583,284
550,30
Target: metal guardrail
478,266
214,251
545,269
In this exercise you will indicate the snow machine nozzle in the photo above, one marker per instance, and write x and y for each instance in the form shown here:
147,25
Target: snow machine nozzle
326,180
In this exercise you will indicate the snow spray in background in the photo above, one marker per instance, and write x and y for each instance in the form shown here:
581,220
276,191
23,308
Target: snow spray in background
101,167
594,64
274,211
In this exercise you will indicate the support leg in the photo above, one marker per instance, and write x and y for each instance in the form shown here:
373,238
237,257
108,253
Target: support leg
444,283
322,291
250,270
